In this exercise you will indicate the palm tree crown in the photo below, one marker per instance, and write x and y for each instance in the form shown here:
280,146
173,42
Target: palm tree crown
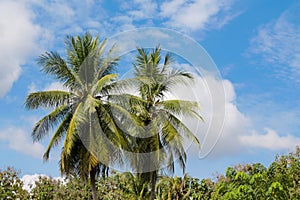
161,117
161,142
81,114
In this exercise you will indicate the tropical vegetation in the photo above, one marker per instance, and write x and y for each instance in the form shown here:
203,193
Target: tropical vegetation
280,180
99,122
80,114
158,142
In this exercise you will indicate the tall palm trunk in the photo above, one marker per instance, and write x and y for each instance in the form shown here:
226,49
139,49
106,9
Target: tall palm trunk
153,183
93,183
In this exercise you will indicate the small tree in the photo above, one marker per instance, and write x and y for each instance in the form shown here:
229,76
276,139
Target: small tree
11,186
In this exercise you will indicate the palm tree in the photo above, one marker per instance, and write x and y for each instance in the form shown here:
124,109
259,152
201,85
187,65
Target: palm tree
133,188
161,140
81,115
173,188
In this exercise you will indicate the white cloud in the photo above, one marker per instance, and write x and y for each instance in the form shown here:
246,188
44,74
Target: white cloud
171,7
134,14
223,122
126,22
270,140
78,17
140,9
29,180
18,140
278,42
61,10
239,133
17,41
183,15
196,15
145,9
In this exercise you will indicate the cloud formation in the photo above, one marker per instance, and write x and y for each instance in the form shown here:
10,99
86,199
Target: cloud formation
16,138
18,36
278,42
270,140
239,133
196,15
182,15
29,180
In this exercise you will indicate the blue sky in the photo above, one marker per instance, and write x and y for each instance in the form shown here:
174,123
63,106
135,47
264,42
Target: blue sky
255,45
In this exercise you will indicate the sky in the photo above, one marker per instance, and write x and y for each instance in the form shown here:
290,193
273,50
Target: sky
255,46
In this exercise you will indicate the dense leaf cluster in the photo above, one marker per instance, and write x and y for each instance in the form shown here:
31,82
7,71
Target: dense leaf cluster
281,180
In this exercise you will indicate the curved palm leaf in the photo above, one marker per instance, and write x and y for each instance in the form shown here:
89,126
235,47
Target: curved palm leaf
44,125
54,65
47,99
97,88
71,132
58,135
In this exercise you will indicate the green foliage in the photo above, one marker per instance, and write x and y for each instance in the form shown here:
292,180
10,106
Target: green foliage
123,186
46,188
88,108
184,187
70,189
75,188
11,185
279,181
243,182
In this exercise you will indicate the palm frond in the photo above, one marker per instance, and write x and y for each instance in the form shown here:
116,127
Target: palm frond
53,64
131,103
170,162
176,77
43,126
177,151
155,55
125,120
75,53
69,162
58,135
72,134
102,83
109,62
47,99
183,129
181,107
108,119
142,58
167,61
119,87
169,132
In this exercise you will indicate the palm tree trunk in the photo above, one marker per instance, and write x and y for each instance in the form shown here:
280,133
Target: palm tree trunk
93,183
153,183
